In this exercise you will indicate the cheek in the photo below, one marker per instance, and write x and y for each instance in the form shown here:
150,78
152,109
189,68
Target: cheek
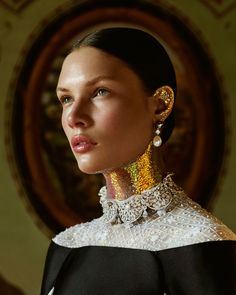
114,120
64,123
126,123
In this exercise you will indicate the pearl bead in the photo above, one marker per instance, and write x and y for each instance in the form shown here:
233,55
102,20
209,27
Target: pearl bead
157,141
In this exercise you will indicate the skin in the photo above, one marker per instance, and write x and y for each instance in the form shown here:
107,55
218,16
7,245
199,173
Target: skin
104,99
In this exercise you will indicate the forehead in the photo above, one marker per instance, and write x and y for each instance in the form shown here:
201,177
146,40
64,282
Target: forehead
88,65
88,62
90,58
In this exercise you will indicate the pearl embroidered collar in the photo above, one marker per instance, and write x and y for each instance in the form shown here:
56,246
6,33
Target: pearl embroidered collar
156,200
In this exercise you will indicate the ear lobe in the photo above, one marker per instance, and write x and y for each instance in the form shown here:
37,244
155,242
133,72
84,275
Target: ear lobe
164,103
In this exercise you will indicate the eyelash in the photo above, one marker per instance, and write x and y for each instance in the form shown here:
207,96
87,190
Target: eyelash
66,98
63,99
101,89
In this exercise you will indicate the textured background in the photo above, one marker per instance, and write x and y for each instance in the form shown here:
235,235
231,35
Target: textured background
24,240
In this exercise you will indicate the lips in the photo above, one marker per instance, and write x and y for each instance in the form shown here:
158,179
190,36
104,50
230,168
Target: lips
82,143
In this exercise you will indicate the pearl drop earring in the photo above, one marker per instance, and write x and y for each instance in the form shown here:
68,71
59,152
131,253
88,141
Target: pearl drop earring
157,141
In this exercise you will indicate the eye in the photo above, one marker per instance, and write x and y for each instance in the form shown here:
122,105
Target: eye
65,99
101,92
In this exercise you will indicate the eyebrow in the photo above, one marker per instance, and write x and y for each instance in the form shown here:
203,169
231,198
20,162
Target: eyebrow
88,83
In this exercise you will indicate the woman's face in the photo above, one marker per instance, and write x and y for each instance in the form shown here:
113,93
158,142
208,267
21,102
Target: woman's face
107,115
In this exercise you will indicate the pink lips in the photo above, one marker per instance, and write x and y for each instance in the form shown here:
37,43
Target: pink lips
82,143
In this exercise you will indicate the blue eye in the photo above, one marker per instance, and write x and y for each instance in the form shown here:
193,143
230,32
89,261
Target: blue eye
101,92
65,99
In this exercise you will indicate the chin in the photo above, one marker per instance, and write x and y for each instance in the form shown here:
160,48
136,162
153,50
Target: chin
91,164
89,169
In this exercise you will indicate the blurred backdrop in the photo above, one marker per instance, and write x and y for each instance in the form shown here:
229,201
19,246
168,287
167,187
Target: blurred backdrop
42,191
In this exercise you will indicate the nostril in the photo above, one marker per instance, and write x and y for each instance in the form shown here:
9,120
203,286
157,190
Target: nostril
78,120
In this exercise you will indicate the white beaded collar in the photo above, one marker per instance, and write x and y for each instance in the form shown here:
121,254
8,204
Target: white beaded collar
156,200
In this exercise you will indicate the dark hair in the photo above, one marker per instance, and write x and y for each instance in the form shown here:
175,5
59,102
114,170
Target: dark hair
143,54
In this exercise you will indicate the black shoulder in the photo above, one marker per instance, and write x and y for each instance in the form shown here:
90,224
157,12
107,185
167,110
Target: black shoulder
199,269
55,258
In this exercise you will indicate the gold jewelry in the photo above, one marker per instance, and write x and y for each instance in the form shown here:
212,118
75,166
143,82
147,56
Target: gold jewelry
166,94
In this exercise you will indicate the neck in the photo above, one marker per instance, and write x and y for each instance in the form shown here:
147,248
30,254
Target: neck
135,177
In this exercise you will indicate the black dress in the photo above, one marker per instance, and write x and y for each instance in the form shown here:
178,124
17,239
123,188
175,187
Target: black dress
180,249
207,268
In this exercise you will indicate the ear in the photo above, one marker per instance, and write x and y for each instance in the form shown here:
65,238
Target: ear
164,102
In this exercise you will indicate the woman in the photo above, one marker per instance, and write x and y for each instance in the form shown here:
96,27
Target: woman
117,89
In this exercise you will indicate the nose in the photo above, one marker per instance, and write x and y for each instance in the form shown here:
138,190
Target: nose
78,116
